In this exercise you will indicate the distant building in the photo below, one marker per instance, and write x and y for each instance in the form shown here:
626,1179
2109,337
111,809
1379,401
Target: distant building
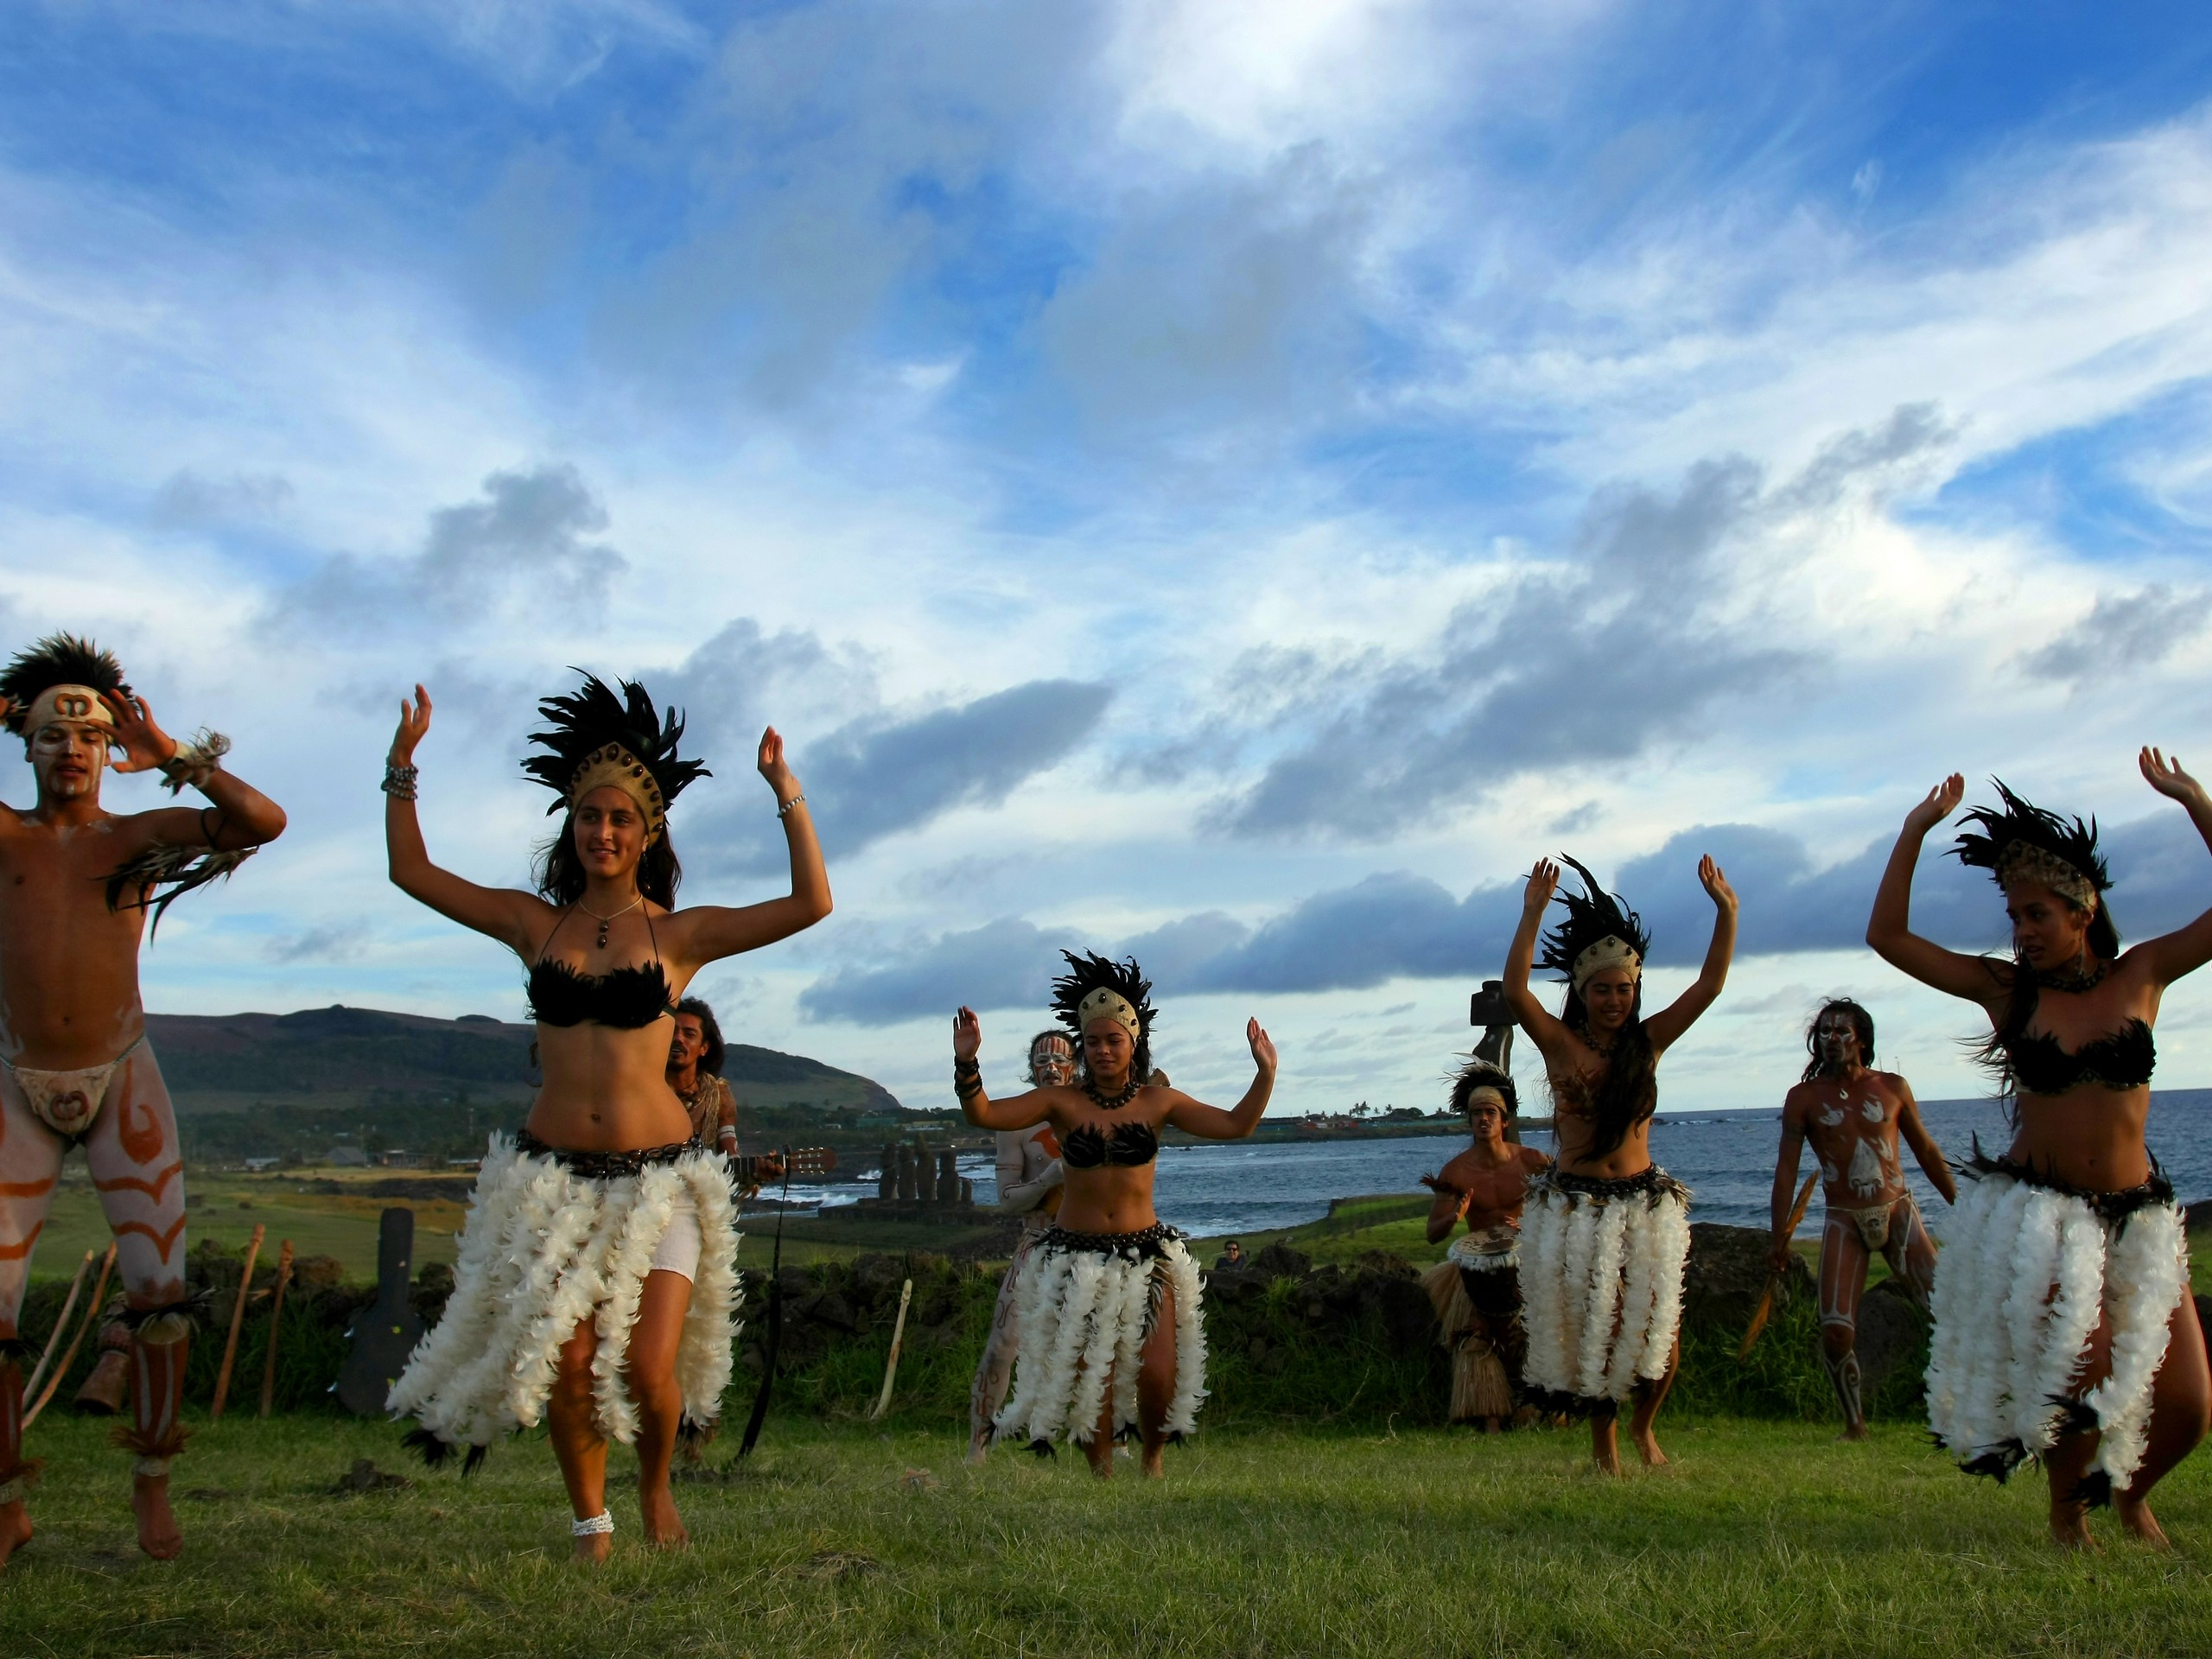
349,1158
395,1159
464,1163
257,1165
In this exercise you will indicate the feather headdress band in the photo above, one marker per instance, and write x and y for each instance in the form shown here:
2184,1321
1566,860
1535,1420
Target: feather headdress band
2024,842
60,677
597,740
1600,932
1479,1077
1096,987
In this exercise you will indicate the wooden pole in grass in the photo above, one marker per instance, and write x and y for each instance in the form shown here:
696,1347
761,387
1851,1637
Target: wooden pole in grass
276,1314
76,1289
238,1319
891,1365
91,1319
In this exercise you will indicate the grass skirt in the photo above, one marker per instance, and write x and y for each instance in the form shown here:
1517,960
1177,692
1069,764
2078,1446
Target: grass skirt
545,1248
1601,1285
2028,1266
1085,1303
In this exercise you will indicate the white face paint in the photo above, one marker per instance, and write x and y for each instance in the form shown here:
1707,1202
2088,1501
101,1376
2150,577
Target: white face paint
1838,1037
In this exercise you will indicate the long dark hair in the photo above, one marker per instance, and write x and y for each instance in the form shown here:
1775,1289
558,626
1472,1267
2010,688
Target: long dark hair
1859,1018
710,1055
1629,1092
560,873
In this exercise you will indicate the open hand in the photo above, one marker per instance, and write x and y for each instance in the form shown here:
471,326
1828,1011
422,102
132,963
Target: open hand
144,745
1716,885
1941,803
414,725
966,1034
2167,778
1263,1047
1543,881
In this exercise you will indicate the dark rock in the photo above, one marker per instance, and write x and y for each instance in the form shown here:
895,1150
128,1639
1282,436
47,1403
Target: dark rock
432,1285
2197,1218
1408,1317
825,1307
1279,1261
1386,1265
318,1272
1892,1328
876,1276
365,1477
1728,1270
794,1282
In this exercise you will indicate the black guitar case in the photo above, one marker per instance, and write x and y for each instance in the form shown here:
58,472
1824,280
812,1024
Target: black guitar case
385,1332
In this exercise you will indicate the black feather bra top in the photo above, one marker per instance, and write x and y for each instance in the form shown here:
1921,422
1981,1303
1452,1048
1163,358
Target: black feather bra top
626,999
1127,1145
2123,1059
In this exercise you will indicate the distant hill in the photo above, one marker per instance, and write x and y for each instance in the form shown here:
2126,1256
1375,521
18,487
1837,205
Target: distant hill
242,1081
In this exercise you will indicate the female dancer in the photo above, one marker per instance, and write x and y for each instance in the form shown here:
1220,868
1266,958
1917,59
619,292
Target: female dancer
2064,1328
1606,1233
596,1278
1110,1336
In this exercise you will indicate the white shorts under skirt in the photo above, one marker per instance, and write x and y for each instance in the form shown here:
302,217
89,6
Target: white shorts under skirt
546,1246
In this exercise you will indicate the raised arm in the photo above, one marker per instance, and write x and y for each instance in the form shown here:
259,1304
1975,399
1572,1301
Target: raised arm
500,912
1889,930
1665,1028
1784,1197
2186,949
1210,1123
1914,1129
1024,1111
239,817
1552,1039
706,933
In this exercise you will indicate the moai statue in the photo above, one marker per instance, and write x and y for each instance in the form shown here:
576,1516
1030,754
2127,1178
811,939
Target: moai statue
887,1180
909,1182
947,1178
924,1172
967,1193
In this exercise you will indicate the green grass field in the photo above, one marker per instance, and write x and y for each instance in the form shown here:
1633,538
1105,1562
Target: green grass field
1762,1539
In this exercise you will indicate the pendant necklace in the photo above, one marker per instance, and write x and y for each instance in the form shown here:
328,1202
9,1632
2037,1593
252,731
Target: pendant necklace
604,920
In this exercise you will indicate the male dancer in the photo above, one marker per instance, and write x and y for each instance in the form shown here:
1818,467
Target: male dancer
695,1053
1029,1186
1476,1288
1853,1117
76,883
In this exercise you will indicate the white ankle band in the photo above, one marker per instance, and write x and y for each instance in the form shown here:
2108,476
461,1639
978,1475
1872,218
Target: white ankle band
603,1522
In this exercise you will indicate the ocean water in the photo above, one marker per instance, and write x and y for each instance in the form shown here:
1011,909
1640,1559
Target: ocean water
1727,1158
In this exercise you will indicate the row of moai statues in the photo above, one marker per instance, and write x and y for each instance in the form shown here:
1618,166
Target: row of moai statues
915,1174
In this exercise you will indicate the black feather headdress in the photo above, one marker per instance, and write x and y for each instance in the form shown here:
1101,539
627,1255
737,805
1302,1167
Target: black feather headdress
2022,842
1591,916
1088,976
1479,1073
58,659
595,738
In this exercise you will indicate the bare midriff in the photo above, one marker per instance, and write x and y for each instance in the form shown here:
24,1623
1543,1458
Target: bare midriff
2090,1136
1112,1197
1575,1130
68,964
607,1090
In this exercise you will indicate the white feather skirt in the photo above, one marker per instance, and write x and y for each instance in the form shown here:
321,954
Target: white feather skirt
2028,1269
1084,1313
546,1249
1601,1283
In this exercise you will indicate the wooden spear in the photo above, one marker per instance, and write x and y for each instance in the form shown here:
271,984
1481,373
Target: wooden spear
238,1319
91,1319
1774,1280
891,1365
76,1289
276,1314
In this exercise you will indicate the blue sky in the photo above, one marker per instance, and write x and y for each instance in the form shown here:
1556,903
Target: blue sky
1237,485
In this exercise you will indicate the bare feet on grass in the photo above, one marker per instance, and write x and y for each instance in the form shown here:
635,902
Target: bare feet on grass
663,1526
14,1529
2141,1525
1605,1446
158,1533
593,1548
1647,1447
1857,1432
1155,1468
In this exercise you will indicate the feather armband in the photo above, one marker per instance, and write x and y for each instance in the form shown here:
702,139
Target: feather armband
195,762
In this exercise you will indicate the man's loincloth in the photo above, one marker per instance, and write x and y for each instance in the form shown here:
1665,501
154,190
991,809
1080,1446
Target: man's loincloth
67,1102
